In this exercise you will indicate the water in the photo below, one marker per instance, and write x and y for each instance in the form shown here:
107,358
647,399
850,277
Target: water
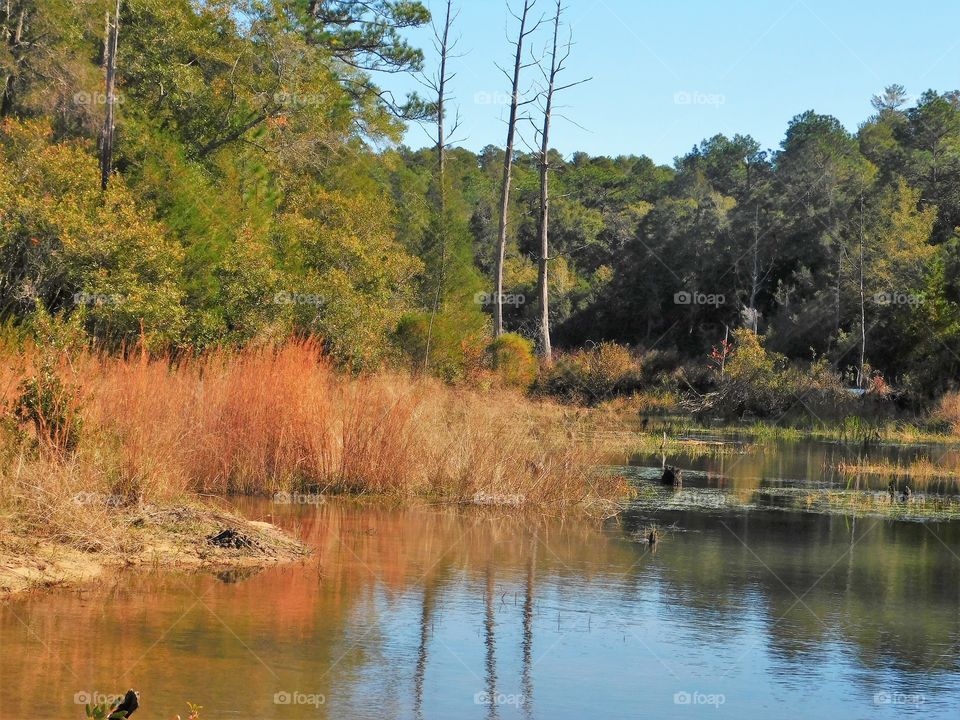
408,612
744,466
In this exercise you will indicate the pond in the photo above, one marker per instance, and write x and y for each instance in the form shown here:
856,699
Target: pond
440,612
735,462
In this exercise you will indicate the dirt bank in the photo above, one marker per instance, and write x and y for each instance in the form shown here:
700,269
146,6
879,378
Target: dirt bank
193,536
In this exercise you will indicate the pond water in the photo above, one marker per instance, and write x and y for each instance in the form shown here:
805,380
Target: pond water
439,612
732,462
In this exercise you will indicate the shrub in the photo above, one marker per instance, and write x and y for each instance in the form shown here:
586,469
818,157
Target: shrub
74,249
51,406
513,360
592,375
456,353
753,381
947,411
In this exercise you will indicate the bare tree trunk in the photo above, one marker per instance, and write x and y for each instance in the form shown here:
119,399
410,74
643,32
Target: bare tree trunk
507,171
543,287
13,40
557,66
836,315
755,273
106,137
441,88
543,282
863,311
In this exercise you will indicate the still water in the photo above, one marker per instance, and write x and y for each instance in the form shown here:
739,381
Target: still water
438,612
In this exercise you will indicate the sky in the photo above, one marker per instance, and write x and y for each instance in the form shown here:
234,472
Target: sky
667,74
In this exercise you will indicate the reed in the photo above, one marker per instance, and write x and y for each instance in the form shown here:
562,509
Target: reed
268,419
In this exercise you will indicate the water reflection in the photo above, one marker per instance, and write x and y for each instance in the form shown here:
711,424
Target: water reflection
743,466
440,613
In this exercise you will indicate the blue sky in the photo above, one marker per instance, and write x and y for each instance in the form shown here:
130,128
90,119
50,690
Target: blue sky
670,73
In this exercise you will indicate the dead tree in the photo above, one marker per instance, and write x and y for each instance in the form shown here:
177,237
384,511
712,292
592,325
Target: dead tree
106,135
863,311
558,56
515,104
438,84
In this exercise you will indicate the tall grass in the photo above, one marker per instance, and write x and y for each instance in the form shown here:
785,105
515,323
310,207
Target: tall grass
269,419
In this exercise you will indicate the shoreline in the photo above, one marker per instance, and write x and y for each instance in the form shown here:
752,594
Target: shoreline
181,536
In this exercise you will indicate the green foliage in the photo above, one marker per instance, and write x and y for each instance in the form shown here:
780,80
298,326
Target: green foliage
755,382
513,360
49,404
456,347
250,201
592,375
71,249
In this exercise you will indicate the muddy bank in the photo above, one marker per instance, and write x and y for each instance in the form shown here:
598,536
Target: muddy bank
183,536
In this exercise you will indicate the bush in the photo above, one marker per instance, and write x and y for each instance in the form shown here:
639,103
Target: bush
51,406
947,412
76,250
513,360
592,375
753,381
456,353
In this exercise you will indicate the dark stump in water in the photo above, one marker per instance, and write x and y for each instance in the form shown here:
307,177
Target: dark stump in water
672,476
127,706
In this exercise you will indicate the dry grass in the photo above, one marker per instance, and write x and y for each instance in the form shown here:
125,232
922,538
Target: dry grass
921,473
948,411
264,420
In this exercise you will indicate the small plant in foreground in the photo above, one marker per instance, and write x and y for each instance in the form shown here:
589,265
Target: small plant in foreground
194,711
49,404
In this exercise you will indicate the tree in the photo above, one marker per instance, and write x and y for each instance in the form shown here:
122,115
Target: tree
365,36
70,249
932,135
515,103
444,46
110,84
558,56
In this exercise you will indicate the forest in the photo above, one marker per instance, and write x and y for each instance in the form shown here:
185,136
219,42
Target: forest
257,188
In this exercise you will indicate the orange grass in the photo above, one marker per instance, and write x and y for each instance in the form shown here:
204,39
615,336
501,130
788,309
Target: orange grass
269,419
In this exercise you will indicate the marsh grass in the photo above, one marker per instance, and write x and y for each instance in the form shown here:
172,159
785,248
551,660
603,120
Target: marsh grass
919,473
929,507
269,419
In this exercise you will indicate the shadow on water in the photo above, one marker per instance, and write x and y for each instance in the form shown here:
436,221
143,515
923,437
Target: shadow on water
442,612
